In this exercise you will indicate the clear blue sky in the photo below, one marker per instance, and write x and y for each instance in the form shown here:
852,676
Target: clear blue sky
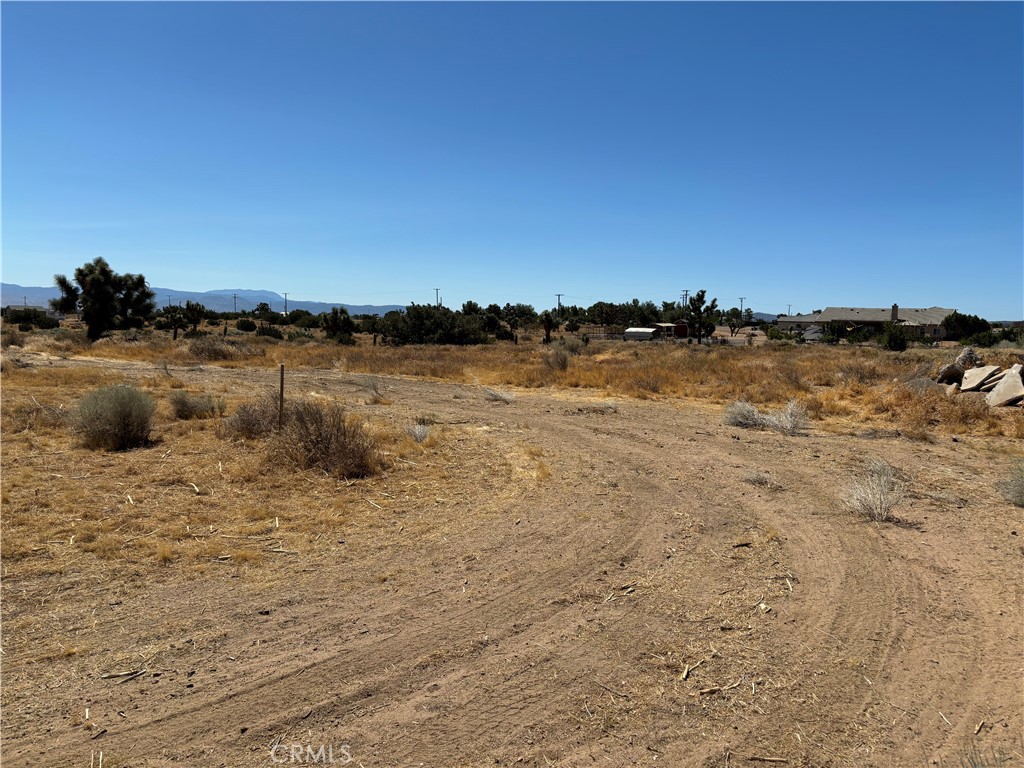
806,154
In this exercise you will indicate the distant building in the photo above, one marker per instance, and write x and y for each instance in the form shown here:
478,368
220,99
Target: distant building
790,323
676,330
34,308
639,334
915,321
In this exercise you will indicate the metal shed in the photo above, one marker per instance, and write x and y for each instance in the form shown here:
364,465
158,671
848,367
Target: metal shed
638,334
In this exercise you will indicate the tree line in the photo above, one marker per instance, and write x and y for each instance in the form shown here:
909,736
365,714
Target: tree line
108,301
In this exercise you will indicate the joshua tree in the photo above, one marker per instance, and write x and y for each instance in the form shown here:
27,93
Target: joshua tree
701,312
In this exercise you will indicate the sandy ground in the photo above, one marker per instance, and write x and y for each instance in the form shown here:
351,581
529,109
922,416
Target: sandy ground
558,583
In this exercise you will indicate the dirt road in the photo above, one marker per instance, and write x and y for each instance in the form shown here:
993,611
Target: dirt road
565,583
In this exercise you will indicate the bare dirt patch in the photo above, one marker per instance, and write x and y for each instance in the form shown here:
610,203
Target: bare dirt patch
552,579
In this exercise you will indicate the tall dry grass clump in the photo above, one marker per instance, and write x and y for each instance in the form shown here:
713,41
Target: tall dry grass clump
115,418
322,436
185,406
877,493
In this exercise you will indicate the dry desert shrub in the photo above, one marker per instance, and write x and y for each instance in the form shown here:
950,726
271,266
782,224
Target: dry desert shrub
374,390
254,419
186,406
762,480
210,348
418,432
743,414
322,436
557,359
115,418
10,336
791,420
919,412
22,417
877,493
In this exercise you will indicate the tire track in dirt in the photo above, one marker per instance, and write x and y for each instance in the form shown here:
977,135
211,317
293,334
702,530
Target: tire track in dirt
847,674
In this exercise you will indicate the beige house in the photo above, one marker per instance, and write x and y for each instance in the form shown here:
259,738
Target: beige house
916,321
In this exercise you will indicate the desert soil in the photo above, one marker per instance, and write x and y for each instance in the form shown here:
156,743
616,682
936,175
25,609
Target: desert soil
556,582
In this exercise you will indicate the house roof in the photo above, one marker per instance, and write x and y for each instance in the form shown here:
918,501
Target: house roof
907,315
639,330
665,325
811,318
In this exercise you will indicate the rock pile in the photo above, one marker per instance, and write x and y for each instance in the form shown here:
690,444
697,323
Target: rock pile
970,374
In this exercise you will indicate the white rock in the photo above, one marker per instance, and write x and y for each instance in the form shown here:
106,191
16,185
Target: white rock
975,377
1009,390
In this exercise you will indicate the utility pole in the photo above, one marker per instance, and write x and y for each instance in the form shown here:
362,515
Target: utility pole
559,297
234,302
168,299
286,303
685,296
741,304
789,310
437,297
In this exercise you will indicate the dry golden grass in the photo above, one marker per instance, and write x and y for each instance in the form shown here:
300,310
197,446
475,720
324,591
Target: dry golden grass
839,384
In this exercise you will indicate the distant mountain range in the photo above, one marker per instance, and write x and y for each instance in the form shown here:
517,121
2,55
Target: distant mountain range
221,300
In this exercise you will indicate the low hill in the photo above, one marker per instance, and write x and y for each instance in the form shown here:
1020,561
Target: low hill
219,300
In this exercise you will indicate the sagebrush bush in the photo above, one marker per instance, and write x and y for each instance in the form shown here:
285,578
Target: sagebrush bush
322,436
743,414
11,337
557,359
210,348
877,493
186,406
791,420
257,418
418,432
115,418
245,324
269,332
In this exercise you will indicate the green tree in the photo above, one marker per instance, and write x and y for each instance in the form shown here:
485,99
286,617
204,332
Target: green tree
547,322
959,326
893,338
108,301
700,312
338,325
67,303
734,319
174,318
194,314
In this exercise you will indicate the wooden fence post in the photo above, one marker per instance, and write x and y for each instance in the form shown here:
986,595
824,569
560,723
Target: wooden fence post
280,402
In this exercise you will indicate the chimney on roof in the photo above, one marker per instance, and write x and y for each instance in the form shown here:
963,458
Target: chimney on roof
895,316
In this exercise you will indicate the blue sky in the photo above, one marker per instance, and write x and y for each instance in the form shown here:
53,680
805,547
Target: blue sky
798,154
